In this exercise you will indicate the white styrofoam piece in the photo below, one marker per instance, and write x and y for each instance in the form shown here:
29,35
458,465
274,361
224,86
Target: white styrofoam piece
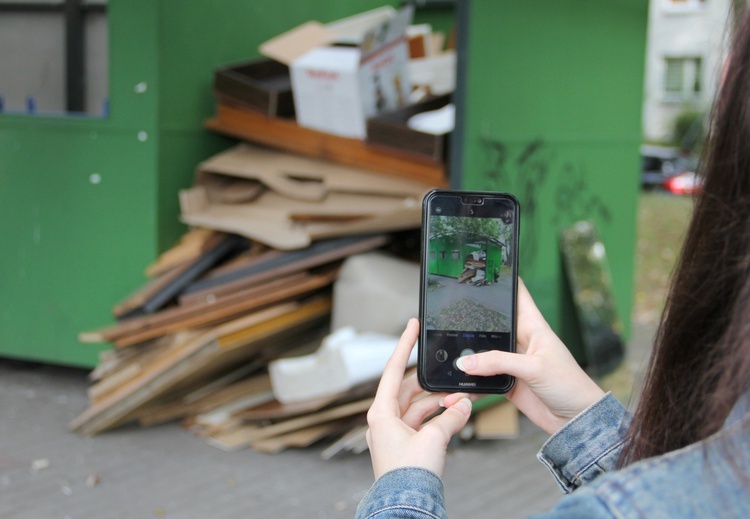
344,360
375,292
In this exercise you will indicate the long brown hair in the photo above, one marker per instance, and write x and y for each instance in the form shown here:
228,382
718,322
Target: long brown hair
700,365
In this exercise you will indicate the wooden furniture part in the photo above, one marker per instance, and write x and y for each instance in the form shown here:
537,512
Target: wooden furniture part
140,329
286,134
201,357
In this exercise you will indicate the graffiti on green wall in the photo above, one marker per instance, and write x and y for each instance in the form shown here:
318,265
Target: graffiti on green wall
529,171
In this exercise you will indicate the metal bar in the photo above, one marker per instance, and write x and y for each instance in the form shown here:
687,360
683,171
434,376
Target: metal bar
75,66
459,96
48,7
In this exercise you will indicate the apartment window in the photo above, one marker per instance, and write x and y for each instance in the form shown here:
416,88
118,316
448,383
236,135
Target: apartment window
682,79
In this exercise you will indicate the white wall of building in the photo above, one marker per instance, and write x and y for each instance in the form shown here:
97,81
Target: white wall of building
682,30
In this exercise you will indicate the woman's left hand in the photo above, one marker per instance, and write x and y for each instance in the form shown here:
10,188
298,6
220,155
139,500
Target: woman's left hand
398,435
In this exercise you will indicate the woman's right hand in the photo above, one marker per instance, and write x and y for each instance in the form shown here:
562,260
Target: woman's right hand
551,388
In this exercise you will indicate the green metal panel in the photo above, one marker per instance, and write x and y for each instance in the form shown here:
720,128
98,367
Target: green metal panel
444,264
78,206
86,204
553,103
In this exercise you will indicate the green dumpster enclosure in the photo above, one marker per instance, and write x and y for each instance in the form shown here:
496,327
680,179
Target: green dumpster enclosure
550,111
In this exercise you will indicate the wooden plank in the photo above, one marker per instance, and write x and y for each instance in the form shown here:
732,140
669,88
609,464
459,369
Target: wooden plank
276,263
275,410
199,356
190,246
156,299
137,330
217,419
247,435
299,439
286,134
238,303
355,441
184,406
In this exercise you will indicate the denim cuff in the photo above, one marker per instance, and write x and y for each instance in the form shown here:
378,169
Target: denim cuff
409,489
587,446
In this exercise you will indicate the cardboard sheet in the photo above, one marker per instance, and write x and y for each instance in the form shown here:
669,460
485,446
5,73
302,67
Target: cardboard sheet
293,176
286,224
292,44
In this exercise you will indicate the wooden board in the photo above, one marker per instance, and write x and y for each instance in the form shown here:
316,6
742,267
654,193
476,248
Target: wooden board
137,330
162,290
226,344
286,134
301,438
190,246
275,263
246,435
184,406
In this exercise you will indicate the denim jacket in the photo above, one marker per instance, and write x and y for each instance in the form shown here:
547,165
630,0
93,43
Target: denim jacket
710,478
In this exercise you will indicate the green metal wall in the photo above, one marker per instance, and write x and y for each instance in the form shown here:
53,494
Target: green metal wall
554,93
553,103
71,248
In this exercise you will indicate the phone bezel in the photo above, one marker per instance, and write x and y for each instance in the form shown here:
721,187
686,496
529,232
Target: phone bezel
422,357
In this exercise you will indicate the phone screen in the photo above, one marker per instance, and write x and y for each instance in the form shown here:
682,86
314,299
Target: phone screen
468,286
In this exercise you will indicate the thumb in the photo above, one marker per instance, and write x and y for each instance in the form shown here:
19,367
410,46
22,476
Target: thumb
454,418
499,362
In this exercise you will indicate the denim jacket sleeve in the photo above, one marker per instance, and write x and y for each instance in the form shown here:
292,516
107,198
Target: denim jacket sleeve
408,492
587,446
579,452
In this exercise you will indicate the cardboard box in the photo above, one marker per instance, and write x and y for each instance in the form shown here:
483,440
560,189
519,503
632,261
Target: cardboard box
391,130
337,88
262,84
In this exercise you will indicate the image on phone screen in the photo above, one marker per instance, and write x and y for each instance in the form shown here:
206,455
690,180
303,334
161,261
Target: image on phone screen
469,282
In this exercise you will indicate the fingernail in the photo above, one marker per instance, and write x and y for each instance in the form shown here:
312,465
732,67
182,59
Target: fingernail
467,362
441,402
466,403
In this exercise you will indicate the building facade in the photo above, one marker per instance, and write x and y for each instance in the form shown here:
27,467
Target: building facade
687,41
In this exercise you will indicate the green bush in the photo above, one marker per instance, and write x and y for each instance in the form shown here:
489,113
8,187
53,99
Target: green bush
688,130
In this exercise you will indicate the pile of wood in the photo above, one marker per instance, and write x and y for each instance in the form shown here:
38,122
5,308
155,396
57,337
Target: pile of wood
194,343
250,283
474,272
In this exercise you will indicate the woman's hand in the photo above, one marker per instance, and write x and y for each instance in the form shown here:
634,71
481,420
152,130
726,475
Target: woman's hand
397,436
551,388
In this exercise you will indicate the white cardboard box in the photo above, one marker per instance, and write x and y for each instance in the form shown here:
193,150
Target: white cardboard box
337,88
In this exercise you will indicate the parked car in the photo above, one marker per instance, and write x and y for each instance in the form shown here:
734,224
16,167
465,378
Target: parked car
669,169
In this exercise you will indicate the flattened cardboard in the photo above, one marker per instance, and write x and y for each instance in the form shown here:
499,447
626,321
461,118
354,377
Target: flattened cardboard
292,44
287,224
353,28
294,176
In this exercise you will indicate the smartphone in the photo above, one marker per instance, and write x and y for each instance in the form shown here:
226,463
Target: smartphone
468,286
